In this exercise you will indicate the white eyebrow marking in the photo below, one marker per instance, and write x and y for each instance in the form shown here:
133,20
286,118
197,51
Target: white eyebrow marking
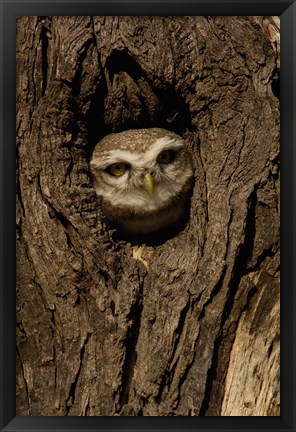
161,144
114,156
137,159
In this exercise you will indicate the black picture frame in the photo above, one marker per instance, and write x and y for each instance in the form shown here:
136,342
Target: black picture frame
10,9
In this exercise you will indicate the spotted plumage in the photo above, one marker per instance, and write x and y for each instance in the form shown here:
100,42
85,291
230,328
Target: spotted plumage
144,179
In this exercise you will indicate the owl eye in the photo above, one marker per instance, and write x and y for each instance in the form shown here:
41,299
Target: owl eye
117,169
166,157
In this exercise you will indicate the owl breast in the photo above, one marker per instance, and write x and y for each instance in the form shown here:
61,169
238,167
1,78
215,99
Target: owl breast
130,219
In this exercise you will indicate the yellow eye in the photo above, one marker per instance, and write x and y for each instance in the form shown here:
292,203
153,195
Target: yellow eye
166,157
117,169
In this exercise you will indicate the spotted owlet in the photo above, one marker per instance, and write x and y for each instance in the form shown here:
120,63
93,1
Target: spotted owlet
144,179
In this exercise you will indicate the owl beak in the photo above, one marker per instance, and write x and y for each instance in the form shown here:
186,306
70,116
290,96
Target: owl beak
149,184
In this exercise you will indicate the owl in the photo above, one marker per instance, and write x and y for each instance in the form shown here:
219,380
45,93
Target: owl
144,178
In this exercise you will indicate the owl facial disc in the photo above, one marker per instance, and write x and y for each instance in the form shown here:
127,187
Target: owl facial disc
143,177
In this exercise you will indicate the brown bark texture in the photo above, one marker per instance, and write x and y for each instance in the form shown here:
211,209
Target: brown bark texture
189,327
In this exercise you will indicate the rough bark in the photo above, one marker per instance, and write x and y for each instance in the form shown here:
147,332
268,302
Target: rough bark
189,327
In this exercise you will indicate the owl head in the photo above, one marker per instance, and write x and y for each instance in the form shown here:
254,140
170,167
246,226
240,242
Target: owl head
143,177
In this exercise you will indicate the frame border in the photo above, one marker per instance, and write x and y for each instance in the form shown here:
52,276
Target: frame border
9,10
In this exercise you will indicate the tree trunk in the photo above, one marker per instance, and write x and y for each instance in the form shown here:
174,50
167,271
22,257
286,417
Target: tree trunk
189,327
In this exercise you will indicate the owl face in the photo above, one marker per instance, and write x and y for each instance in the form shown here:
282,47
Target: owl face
141,172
